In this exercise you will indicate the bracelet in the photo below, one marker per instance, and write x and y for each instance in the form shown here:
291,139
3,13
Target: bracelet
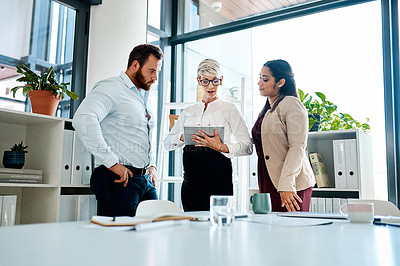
220,149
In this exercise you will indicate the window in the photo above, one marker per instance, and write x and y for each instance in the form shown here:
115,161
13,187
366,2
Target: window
330,52
340,58
154,13
41,34
237,77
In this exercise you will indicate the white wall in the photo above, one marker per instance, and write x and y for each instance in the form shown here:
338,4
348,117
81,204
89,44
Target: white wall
15,21
115,28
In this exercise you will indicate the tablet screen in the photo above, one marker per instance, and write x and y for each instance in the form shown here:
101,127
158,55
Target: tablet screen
188,131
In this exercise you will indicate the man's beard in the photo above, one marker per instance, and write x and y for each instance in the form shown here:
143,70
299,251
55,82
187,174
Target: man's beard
141,81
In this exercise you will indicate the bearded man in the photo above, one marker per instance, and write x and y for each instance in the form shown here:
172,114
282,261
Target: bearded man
115,124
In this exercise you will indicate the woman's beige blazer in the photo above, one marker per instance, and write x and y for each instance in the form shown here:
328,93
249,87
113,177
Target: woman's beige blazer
284,134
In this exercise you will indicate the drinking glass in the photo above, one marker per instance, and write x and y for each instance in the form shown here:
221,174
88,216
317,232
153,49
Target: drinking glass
221,210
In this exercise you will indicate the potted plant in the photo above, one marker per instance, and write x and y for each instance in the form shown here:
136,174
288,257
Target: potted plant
16,157
43,91
323,114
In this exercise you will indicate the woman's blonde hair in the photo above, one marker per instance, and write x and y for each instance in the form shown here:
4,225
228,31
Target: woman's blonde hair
208,67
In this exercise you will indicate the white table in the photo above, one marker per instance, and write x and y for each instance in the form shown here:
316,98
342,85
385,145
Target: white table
199,243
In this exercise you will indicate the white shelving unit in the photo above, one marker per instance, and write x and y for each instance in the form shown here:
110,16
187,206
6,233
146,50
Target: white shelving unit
321,142
36,203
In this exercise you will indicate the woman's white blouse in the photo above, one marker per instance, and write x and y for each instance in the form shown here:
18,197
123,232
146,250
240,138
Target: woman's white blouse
219,112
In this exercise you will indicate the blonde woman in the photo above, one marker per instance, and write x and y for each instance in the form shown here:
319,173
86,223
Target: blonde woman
207,165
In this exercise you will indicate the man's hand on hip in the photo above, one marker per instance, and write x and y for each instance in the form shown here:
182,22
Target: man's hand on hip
153,175
123,173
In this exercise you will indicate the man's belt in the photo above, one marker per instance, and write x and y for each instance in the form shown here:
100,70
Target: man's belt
138,171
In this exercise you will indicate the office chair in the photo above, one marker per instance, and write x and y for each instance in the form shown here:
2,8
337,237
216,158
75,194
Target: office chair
381,207
151,207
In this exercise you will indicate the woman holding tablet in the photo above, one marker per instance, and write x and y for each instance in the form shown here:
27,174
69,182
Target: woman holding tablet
280,136
207,166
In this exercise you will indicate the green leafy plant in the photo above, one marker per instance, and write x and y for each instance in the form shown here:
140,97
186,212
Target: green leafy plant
323,114
47,82
19,147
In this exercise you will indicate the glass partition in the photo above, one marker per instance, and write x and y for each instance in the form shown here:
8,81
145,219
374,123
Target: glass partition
333,53
233,52
330,52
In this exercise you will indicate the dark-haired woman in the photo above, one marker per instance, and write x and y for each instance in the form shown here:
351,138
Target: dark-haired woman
280,136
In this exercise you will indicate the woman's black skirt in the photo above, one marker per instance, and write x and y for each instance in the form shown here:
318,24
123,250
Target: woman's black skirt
206,172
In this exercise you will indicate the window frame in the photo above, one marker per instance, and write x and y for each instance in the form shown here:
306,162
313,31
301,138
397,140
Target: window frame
390,40
80,56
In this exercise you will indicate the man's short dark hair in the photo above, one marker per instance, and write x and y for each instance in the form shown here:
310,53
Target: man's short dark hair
142,52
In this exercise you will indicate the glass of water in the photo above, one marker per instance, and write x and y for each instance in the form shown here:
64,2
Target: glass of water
221,210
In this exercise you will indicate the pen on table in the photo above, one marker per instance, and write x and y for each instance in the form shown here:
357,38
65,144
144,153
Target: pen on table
395,219
238,216
207,218
389,221
386,224
156,225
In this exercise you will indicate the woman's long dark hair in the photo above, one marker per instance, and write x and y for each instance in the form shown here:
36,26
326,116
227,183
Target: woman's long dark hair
280,69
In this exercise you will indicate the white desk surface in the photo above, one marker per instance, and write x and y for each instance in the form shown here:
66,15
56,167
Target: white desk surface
199,243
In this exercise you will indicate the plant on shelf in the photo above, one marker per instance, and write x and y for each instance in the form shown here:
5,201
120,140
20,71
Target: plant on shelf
43,90
19,147
16,157
323,114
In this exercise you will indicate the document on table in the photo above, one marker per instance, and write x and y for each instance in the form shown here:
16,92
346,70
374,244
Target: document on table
273,219
318,215
387,220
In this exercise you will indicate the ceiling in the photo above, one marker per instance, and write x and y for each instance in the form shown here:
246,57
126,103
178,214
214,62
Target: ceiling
236,9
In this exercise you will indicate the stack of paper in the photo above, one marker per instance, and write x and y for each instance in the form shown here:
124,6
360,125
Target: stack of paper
11,175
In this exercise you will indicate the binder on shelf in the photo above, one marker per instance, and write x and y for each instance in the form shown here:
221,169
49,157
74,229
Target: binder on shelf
9,207
87,167
329,205
335,205
77,161
68,208
339,162
92,205
319,169
321,205
351,163
77,207
83,208
87,207
67,156
1,207
343,201
314,205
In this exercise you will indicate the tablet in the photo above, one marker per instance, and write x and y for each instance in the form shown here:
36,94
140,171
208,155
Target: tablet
209,130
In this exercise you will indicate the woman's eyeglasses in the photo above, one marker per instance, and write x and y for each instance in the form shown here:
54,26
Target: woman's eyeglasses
206,82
